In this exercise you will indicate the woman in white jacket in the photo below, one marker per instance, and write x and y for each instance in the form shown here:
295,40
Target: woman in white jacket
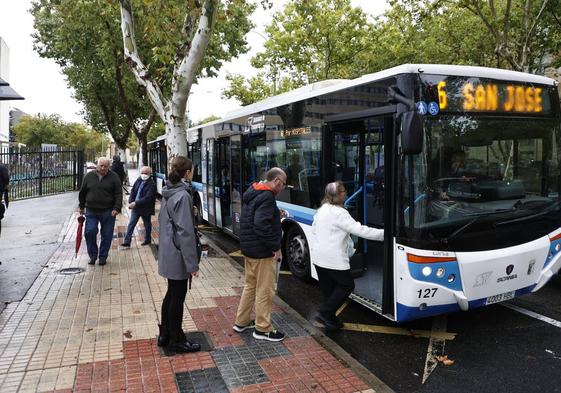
332,250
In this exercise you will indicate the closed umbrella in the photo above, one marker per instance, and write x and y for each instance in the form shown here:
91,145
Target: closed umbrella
81,220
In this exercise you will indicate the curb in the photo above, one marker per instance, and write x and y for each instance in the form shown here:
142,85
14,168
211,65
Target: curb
331,346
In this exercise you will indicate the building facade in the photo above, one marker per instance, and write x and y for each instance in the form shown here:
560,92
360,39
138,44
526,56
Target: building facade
4,105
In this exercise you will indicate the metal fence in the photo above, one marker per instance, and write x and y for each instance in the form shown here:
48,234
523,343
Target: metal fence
35,172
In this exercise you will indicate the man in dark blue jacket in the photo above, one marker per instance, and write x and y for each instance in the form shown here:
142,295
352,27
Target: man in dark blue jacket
141,202
260,242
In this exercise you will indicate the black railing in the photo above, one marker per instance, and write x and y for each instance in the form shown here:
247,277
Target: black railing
36,172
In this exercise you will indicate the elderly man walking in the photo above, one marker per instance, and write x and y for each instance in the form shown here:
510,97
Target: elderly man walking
260,242
141,202
101,196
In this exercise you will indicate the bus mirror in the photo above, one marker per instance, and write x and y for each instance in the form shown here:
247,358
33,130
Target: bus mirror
411,133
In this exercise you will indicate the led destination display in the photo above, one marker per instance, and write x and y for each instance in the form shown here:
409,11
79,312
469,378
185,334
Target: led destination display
455,94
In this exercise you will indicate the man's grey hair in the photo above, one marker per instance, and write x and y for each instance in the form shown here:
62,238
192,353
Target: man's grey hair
273,173
100,159
146,169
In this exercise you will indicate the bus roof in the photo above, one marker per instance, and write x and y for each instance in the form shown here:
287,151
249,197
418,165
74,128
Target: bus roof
332,85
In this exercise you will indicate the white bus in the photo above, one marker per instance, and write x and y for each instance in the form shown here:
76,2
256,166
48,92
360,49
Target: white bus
459,165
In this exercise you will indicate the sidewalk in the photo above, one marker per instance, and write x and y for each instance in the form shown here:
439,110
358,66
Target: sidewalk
95,332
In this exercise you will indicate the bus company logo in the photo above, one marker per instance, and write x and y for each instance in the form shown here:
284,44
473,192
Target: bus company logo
508,276
481,279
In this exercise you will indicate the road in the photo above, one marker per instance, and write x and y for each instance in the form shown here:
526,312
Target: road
30,230
498,348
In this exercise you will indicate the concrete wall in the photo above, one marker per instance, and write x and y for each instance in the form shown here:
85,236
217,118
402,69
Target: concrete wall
4,105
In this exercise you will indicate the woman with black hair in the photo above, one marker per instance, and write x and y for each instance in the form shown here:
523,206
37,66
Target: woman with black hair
178,260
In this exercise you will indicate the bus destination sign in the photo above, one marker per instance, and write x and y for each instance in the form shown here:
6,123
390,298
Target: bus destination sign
491,96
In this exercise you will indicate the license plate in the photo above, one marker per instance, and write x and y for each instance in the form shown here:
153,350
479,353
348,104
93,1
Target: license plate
500,297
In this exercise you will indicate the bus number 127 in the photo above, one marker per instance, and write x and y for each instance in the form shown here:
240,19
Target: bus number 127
427,293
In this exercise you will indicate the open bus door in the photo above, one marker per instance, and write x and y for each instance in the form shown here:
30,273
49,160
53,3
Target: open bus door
227,194
356,156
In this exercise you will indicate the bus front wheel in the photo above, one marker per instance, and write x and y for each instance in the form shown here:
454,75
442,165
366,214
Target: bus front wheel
297,253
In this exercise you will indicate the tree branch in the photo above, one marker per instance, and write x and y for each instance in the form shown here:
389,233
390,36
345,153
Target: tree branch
184,74
132,58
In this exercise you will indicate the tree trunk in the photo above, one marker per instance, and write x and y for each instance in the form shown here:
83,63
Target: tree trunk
143,148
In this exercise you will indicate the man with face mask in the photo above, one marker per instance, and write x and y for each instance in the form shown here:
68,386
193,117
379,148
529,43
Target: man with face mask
141,202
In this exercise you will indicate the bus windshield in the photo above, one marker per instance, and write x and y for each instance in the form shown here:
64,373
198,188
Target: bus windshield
479,177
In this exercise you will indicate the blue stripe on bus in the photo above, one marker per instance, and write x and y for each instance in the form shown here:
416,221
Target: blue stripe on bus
304,215
197,186
407,313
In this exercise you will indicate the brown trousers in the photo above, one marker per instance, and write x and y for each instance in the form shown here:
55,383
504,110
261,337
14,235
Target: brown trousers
259,290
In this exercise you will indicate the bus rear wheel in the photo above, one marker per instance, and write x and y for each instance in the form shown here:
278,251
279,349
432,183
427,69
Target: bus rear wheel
298,253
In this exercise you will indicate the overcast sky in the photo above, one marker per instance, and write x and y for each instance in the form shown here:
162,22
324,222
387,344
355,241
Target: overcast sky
45,90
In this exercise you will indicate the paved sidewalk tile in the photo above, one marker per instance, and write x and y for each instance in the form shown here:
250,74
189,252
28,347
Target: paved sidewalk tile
95,332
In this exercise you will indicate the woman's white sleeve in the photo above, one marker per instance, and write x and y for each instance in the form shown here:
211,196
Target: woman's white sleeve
348,224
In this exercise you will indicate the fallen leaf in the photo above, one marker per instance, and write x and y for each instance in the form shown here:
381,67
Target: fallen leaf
127,334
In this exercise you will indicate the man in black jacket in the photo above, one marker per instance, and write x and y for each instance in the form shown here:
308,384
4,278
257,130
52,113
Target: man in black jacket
260,242
118,167
102,197
141,202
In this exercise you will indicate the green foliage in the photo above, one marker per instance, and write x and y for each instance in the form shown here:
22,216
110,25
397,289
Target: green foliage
84,38
429,32
158,129
256,88
524,34
206,120
36,130
308,41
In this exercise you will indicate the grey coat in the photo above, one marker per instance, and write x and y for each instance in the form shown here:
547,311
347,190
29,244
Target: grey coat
177,251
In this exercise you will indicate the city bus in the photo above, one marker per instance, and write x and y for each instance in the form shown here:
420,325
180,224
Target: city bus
459,165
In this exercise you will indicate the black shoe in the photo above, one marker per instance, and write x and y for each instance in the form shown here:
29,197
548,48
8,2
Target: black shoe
125,245
145,243
92,261
183,347
163,337
273,335
330,324
241,328
102,261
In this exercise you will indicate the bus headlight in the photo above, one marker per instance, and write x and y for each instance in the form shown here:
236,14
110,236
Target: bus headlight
557,247
451,277
427,270
440,272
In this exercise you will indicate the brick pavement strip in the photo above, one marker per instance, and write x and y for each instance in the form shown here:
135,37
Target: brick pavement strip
95,332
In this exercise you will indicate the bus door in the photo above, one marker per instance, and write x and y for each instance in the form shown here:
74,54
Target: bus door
223,184
210,163
357,159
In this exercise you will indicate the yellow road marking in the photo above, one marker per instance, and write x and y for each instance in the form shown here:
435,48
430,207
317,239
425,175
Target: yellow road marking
286,272
358,327
237,253
340,310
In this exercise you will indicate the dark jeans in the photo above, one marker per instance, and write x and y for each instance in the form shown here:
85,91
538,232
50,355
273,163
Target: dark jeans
107,221
172,308
146,219
336,286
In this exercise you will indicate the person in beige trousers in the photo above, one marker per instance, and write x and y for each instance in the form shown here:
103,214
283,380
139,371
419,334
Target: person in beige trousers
260,243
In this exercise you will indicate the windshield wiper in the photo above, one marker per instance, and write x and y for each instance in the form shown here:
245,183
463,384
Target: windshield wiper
445,240
527,217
